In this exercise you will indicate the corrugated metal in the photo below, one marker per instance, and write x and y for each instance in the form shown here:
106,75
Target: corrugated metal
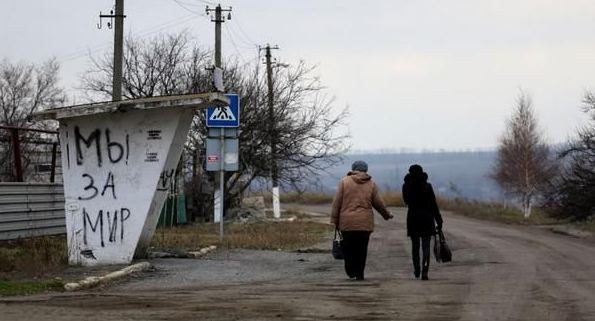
31,209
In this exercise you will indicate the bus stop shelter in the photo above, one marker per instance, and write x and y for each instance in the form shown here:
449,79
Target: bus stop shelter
117,158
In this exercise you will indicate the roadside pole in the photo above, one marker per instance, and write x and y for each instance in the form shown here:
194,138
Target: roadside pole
217,72
272,133
218,64
118,45
118,51
222,183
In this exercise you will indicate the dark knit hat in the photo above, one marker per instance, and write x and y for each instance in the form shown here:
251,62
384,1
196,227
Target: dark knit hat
359,166
415,170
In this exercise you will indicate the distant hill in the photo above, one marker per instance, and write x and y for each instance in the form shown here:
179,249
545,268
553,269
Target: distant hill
451,173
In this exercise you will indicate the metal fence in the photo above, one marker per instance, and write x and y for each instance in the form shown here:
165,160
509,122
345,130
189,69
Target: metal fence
31,209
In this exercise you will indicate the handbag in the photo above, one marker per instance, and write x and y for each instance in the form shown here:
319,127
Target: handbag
442,252
337,248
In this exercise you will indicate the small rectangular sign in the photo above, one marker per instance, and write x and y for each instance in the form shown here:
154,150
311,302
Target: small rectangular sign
230,159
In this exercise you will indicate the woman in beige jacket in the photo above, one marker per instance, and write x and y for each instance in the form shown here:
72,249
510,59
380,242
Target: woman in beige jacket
352,214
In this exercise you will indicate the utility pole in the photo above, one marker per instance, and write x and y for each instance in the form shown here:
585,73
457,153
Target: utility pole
118,51
272,132
218,20
218,74
118,46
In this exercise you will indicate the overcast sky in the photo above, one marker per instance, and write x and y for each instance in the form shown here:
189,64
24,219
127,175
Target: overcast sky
415,73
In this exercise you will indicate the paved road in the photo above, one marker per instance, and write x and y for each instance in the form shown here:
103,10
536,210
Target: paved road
499,272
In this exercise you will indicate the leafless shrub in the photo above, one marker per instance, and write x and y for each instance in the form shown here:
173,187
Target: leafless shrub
572,194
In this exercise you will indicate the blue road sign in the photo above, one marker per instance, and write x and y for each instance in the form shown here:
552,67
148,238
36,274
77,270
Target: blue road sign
227,116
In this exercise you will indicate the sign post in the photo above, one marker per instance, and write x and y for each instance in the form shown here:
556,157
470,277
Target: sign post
222,149
222,183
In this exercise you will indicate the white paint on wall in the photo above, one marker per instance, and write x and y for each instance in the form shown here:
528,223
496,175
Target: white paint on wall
118,168
217,206
276,203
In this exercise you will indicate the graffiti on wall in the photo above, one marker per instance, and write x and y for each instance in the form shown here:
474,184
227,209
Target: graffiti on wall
118,170
92,150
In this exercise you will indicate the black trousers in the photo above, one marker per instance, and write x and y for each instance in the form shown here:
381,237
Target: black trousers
355,252
425,247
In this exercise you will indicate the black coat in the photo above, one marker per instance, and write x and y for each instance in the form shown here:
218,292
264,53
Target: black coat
422,207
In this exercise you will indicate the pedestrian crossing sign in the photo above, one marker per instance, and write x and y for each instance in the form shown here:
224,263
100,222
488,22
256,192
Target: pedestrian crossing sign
226,116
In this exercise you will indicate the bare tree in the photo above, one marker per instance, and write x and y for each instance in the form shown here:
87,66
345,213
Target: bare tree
166,65
26,88
572,194
524,164
309,133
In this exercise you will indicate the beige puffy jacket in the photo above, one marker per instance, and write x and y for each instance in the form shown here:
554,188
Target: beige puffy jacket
356,195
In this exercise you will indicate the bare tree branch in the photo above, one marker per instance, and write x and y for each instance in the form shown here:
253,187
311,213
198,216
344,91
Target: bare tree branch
572,194
309,132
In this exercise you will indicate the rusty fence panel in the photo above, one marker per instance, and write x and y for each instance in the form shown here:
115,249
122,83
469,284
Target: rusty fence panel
31,209
29,155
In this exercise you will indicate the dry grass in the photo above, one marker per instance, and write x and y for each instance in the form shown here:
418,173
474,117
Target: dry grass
260,236
494,212
308,198
586,225
481,210
305,198
393,198
33,257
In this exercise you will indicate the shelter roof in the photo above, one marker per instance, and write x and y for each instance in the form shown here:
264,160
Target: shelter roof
180,101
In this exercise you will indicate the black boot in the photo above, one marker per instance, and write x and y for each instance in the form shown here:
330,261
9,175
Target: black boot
416,268
424,272
425,258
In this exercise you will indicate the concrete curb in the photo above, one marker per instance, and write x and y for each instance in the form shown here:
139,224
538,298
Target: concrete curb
202,252
570,231
93,281
182,254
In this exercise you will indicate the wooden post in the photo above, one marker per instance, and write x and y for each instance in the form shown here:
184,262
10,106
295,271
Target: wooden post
16,149
53,172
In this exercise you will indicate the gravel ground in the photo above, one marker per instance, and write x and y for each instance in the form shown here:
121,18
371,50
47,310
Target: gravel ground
499,272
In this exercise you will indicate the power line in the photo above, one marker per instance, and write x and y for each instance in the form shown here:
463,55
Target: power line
146,32
169,24
257,58
244,34
207,2
246,45
201,1
184,6
229,35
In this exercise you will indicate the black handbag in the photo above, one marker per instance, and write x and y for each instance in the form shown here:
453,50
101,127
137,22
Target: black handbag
442,252
337,249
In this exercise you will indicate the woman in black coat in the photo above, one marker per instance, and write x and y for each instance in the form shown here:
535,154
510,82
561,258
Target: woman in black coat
421,214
